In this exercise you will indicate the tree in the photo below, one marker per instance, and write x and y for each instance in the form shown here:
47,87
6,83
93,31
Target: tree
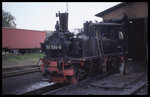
8,20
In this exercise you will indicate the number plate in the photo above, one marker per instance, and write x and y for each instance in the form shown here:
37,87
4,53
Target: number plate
53,47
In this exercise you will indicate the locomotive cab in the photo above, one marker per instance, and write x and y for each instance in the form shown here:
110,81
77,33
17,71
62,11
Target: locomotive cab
113,37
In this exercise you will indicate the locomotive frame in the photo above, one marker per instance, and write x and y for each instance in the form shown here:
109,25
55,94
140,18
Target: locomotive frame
93,58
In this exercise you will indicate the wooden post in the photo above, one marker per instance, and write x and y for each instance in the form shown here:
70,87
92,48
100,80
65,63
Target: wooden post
98,43
124,72
126,67
90,68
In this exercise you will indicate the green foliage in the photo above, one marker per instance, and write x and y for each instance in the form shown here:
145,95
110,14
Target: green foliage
8,20
22,57
15,60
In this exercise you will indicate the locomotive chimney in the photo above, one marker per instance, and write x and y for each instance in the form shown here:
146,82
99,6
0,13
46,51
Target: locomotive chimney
63,20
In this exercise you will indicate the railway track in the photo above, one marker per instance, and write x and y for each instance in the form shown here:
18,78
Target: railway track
19,72
84,88
60,88
44,89
137,91
80,83
47,90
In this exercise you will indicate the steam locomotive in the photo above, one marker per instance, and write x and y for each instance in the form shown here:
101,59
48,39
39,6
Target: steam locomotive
99,48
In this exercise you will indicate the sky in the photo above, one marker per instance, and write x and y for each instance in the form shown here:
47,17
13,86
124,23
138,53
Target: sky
42,15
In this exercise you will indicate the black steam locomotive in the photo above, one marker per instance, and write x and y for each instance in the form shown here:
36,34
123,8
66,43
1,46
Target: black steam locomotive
99,48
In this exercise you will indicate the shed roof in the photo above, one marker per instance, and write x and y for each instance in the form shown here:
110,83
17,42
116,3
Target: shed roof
111,9
107,24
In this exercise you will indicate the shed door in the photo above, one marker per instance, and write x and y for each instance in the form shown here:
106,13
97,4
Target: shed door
137,40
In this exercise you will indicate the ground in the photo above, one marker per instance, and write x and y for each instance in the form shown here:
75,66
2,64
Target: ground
26,81
20,83
117,84
15,60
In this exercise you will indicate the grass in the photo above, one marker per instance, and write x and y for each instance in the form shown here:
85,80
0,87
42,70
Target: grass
10,60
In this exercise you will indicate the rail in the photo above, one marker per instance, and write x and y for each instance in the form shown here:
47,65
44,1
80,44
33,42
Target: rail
49,89
42,90
138,89
126,91
19,72
80,83
54,88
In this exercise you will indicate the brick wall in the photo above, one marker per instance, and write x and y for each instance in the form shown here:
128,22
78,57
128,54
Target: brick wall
133,10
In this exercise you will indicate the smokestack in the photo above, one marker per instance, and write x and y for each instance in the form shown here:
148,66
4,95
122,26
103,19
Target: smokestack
63,20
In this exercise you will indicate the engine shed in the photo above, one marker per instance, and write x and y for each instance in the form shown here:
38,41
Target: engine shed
137,23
